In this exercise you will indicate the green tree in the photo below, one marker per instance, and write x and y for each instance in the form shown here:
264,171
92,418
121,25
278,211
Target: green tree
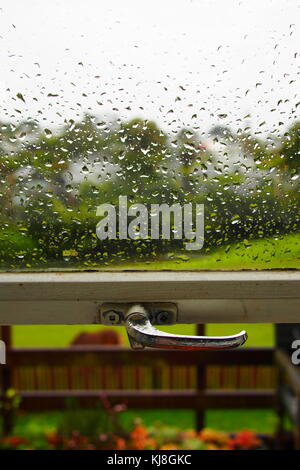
139,147
190,153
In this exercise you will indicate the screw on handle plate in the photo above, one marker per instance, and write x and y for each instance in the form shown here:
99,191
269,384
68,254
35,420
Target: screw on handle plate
141,333
159,313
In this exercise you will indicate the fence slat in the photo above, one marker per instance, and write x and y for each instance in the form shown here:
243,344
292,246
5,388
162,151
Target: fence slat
103,355
190,399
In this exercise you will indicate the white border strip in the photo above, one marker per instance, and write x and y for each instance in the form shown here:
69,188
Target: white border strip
202,297
150,286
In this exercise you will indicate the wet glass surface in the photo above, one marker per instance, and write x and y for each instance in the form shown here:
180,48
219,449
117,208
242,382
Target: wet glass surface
190,105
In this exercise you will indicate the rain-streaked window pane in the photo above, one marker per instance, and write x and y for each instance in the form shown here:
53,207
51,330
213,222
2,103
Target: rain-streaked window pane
115,113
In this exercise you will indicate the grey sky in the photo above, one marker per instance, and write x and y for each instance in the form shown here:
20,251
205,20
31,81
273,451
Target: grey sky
184,62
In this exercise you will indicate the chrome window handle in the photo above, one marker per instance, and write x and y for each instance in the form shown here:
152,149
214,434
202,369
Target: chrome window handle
142,333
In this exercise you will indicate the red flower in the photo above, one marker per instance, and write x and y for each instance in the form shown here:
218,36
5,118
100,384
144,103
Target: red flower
245,440
15,441
53,438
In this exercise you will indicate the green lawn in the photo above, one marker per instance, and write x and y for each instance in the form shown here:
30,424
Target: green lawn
267,253
280,252
62,335
264,421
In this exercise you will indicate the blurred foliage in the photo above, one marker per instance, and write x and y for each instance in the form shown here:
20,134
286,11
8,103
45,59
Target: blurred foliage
51,183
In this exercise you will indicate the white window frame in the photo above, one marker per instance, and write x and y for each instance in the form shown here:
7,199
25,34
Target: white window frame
202,296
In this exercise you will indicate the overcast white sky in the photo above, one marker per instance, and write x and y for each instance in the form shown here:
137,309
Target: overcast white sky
183,62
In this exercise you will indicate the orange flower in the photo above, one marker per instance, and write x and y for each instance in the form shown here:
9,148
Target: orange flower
139,444
169,446
189,433
120,444
150,443
209,435
139,432
212,447
139,437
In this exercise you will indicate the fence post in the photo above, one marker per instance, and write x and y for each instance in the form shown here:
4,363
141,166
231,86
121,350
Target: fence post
296,431
200,384
279,434
6,382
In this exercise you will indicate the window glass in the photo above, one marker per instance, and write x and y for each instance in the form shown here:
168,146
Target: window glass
149,135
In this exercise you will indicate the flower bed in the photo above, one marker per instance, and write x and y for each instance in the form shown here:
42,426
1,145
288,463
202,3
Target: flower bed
157,437
102,429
